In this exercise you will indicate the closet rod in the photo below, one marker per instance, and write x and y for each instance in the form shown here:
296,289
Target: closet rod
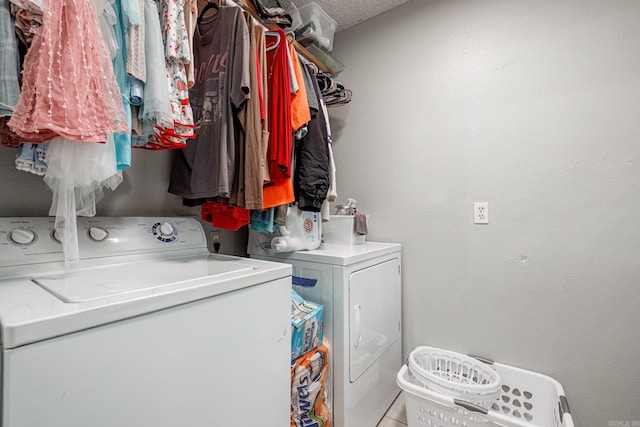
248,6
203,3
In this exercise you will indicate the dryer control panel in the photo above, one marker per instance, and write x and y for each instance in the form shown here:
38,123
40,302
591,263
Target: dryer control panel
36,239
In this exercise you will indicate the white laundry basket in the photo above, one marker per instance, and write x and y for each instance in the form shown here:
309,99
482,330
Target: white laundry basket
455,375
527,399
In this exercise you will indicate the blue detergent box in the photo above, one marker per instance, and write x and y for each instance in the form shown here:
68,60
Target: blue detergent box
306,325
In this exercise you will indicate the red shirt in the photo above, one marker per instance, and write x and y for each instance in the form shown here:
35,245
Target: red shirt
279,87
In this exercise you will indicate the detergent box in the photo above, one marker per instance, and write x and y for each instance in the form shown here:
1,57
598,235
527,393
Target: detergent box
306,325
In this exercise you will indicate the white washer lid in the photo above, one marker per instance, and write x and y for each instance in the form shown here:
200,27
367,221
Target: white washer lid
137,279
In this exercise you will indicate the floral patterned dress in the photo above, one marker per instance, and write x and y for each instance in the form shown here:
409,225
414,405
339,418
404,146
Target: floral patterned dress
177,54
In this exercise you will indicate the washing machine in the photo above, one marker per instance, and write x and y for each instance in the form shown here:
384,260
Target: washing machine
148,329
360,289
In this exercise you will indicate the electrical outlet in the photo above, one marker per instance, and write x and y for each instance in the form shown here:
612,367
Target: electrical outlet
214,237
481,213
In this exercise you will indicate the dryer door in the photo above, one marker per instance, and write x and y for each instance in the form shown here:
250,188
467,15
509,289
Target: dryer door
374,318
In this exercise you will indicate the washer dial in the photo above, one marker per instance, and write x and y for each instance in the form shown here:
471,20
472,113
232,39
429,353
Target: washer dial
22,236
164,231
98,234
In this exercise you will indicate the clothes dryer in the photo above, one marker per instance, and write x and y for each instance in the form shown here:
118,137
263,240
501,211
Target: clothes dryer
360,289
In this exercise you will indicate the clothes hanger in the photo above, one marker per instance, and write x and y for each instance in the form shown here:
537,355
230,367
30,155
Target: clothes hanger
210,5
291,37
277,41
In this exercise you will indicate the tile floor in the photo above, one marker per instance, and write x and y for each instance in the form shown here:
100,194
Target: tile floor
396,416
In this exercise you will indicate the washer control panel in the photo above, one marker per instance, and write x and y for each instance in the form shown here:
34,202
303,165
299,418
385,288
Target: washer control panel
35,240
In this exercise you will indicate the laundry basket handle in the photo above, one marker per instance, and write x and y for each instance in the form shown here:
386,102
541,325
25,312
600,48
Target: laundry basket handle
564,407
482,359
470,406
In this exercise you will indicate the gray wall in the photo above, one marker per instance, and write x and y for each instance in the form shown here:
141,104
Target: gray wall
142,192
534,107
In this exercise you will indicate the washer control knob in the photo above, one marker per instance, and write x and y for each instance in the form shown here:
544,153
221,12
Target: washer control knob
56,236
164,232
166,229
98,234
22,236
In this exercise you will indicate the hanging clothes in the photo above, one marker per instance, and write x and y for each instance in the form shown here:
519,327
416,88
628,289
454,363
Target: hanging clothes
155,111
272,13
113,24
67,89
7,137
132,11
278,193
70,95
230,99
136,61
107,19
30,158
278,190
311,182
263,221
221,215
77,174
9,71
28,18
263,91
300,111
206,167
190,18
308,70
279,81
9,68
248,192
177,54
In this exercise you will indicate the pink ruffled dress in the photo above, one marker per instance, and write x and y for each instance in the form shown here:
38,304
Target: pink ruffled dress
69,88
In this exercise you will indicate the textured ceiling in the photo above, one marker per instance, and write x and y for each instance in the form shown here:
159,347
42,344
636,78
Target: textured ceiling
348,13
